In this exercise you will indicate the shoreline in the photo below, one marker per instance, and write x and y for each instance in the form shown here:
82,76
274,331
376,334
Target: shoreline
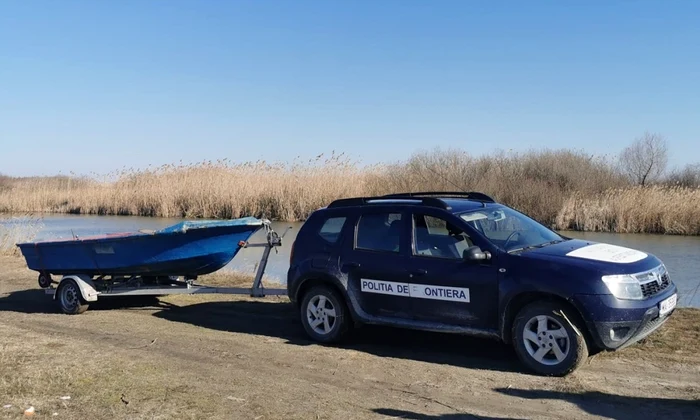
39,214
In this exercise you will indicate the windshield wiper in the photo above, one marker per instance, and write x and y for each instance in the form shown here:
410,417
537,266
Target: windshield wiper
542,245
522,248
556,241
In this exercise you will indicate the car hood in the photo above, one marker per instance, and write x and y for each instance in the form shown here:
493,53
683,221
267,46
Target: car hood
595,256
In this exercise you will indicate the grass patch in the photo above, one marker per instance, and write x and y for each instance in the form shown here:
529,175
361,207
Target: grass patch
679,336
675,342
40,371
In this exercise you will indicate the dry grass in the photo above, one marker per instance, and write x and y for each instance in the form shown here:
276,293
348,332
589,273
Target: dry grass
676,341
41,371
680,336
207,190
670,210
536,182
233,278
565,188
17,229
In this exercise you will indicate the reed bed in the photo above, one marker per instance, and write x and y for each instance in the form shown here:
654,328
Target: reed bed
563,188
658,209
536,182
209,189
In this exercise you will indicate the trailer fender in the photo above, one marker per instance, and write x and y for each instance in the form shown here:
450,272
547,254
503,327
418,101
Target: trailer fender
85,284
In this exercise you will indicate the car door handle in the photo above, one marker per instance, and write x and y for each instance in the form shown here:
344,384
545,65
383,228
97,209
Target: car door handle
419,272
351,265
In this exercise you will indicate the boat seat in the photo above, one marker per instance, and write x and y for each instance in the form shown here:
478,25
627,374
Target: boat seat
147,231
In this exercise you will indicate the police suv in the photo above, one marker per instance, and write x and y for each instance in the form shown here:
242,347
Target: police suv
462,263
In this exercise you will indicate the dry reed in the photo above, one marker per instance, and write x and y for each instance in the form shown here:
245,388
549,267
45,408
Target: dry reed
565,188
207,190
17,229
535,182
669,210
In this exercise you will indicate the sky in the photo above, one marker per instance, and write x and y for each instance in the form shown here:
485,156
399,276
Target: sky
93,86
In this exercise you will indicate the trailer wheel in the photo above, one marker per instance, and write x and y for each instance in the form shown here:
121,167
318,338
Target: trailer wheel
324,315
44,280
70,299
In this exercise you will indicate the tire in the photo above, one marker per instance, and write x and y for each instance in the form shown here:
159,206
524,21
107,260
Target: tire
546,342
332,329
70,300
44,280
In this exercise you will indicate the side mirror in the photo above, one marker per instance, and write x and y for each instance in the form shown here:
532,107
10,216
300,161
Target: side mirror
474,253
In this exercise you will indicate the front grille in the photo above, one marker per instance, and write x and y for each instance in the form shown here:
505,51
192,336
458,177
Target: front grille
653,287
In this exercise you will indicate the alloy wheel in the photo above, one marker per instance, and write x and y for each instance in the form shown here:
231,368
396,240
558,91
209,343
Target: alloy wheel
321,315
546,340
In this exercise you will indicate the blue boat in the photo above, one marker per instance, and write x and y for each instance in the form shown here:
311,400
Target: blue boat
189,248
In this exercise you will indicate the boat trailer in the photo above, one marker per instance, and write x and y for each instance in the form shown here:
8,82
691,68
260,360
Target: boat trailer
74,292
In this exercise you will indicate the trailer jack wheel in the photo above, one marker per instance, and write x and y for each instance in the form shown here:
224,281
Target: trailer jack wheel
44,280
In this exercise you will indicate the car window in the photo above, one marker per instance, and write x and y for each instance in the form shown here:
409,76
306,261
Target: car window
379,232
331,228
510,229
435,237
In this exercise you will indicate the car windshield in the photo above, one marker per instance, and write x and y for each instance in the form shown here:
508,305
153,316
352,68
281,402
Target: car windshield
510,230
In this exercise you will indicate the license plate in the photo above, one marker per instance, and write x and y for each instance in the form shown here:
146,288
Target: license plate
667,305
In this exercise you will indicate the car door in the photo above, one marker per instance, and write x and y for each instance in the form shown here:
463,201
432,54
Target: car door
374,261
444,287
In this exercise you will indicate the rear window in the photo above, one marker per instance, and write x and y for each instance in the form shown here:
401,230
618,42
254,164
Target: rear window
331,228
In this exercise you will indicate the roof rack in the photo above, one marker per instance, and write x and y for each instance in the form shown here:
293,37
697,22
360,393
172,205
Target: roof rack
472,195
361,201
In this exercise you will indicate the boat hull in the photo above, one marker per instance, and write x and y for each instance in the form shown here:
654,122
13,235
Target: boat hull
185,249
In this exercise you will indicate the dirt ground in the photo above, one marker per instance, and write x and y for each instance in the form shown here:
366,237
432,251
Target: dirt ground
239,357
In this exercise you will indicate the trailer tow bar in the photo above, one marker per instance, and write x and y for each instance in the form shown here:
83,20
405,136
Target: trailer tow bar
273,240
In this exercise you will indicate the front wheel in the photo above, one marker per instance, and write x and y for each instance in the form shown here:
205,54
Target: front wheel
70,299
324,315
546,342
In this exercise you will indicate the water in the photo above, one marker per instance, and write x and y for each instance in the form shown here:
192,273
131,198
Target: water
679,253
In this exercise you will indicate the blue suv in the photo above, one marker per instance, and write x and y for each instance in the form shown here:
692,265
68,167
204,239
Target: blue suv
462,263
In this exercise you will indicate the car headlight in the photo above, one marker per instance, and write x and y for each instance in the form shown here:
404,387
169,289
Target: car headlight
624,286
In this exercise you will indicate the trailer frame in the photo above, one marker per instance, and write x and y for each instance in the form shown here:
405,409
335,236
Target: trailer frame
74,292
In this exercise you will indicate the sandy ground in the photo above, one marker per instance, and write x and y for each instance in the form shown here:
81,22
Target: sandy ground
239,357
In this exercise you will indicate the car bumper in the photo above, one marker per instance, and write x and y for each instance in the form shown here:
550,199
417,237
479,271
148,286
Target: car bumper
615,324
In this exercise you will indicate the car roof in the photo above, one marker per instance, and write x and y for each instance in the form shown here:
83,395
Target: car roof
458,202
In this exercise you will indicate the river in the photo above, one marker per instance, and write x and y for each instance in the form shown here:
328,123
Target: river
681,254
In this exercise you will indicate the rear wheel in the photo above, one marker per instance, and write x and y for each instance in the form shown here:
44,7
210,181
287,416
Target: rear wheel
545,340
70,299
324,315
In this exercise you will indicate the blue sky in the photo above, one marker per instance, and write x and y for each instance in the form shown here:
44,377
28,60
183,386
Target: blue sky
96,85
